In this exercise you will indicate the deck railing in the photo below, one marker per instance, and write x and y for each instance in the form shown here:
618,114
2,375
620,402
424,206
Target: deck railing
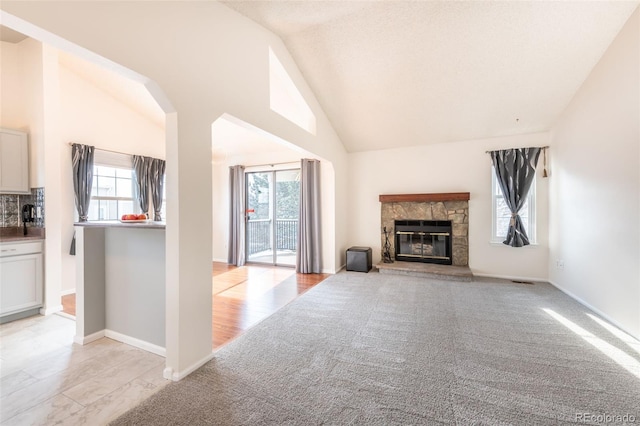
259,235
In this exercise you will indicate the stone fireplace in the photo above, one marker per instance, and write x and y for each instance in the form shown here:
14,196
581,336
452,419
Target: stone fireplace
412,221
427,241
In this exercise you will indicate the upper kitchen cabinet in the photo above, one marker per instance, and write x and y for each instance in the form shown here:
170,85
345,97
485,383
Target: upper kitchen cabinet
14,162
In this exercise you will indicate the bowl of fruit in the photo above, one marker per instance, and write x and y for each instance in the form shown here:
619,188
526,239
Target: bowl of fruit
134,218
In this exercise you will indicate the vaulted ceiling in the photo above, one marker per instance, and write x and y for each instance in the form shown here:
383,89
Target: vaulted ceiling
401,73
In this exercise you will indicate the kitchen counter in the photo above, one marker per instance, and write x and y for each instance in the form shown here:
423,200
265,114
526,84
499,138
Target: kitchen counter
120,283
117,224
15,234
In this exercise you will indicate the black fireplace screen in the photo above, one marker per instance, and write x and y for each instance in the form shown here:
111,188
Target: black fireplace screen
427,241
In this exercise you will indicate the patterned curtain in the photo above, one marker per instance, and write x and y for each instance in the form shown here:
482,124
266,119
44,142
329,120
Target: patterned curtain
515,170
141,176
156,179
82,162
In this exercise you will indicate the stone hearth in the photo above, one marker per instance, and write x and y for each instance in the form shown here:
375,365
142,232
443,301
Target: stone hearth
449,206
427,270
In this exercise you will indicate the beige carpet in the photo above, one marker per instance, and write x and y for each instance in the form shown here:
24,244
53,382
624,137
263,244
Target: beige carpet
382,349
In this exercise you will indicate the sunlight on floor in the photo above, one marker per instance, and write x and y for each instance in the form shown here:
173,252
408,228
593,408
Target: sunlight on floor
630,341
620,357
258,284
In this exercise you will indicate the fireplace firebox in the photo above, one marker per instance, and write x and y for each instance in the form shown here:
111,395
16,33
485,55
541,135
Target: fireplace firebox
427,241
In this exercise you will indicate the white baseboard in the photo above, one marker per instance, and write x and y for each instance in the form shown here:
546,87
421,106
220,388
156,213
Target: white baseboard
132,341
594,309
170,374
90,338
511,277
219,260
341,268
50,310
65,315
68,292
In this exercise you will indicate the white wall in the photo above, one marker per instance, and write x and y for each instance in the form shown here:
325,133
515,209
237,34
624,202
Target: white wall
207,60
595,186
31,104
452,167
12,101
89,115
21,98
220,216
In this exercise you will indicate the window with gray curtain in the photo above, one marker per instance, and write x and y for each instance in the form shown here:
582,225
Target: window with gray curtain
82,169
141,175
149,175
309,254
82,163
237,215
515,171
156,179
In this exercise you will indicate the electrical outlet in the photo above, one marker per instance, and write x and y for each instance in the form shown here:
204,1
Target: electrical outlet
559,264
38,212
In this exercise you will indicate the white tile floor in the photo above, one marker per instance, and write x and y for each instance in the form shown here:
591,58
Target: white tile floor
46,379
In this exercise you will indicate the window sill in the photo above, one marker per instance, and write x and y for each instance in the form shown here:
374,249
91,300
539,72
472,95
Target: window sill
499,243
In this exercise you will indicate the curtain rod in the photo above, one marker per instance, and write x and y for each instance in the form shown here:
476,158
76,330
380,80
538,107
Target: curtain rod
274,164
541,147
107,150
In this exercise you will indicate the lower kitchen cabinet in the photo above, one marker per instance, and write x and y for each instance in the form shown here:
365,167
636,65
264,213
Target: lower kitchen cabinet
21,277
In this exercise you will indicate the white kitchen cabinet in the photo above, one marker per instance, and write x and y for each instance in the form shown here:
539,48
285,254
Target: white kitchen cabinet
14,162
21,282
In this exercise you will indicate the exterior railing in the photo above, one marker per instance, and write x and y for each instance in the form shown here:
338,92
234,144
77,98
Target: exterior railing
259,235
286,234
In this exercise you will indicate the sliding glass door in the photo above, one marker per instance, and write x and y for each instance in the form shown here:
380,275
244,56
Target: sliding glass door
273,205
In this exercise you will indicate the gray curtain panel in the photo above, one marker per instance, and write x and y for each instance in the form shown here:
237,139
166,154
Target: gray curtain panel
515,170
82,163
309,254
141,176
237,216
156,179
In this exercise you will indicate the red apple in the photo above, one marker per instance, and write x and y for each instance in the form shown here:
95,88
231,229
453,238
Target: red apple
142,216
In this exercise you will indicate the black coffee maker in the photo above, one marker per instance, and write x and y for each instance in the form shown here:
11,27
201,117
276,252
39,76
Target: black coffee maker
28,215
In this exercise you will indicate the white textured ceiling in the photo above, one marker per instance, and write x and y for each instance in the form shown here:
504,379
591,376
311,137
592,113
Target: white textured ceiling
402,73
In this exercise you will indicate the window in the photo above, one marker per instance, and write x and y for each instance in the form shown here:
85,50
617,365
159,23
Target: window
112,194
502,214
114,191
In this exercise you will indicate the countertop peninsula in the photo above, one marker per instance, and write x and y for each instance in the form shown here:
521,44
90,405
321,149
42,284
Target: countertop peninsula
150,224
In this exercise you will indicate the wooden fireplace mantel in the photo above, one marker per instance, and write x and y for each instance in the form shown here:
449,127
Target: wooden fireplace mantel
419,198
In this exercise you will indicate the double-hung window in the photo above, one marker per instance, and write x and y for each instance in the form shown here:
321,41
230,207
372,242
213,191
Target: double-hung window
502,214
113,190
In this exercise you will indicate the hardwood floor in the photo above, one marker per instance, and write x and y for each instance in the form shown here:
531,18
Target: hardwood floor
69,304
243,296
